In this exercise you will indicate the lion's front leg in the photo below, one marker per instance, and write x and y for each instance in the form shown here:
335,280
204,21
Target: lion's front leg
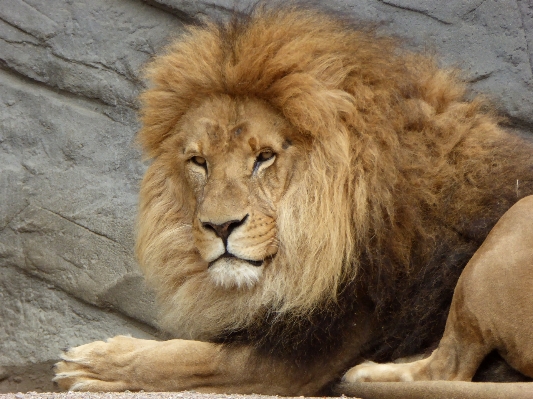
125,363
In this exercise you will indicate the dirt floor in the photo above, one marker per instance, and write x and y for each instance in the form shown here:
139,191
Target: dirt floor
36,382
129,395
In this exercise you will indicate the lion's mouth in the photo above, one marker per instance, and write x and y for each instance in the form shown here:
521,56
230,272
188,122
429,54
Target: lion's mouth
226,254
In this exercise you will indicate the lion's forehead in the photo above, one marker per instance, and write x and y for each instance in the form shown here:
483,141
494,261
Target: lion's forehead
225,126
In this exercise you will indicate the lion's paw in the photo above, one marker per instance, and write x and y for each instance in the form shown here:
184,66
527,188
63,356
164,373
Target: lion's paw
97,366
370,371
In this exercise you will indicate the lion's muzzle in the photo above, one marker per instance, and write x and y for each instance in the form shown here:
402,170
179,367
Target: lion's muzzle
236,248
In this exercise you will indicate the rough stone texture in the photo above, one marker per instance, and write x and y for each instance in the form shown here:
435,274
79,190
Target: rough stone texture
70,72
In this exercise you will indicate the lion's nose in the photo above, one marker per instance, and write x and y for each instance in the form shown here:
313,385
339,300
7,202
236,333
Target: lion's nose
225,229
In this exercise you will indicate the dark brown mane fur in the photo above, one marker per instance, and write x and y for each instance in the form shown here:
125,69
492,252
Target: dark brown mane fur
425,173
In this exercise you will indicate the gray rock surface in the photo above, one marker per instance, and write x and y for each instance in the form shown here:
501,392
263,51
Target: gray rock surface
70,72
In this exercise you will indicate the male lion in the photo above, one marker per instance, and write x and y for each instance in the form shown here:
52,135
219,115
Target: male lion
313,196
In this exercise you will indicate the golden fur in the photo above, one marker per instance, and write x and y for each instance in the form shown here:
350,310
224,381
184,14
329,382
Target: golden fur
375,180
388,136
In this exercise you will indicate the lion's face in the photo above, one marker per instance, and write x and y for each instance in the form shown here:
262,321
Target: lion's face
263,166
237,159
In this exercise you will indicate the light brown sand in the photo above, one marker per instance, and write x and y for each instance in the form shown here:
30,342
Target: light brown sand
130,395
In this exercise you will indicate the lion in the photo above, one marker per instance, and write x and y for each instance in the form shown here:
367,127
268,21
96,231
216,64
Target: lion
313,195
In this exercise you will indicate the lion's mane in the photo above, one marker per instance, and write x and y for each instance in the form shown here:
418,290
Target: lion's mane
405,177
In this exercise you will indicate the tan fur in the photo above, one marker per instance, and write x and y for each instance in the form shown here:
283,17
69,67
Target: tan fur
358,161
380,168
491,310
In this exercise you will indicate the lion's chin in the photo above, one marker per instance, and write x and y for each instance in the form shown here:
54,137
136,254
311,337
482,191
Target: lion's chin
234,273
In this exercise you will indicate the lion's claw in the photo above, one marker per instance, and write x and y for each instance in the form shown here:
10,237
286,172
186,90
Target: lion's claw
94,366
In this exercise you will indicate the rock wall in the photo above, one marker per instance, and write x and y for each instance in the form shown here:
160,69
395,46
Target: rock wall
70,170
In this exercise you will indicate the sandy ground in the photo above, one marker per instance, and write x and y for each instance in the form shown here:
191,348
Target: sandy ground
129,395
375,390
36,381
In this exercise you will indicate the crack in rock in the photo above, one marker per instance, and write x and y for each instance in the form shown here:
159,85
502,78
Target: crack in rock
415,10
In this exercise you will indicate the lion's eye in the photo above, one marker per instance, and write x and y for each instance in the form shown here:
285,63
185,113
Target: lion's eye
263,157
200,161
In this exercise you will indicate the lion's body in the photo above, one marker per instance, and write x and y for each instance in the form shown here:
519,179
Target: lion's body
314,192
